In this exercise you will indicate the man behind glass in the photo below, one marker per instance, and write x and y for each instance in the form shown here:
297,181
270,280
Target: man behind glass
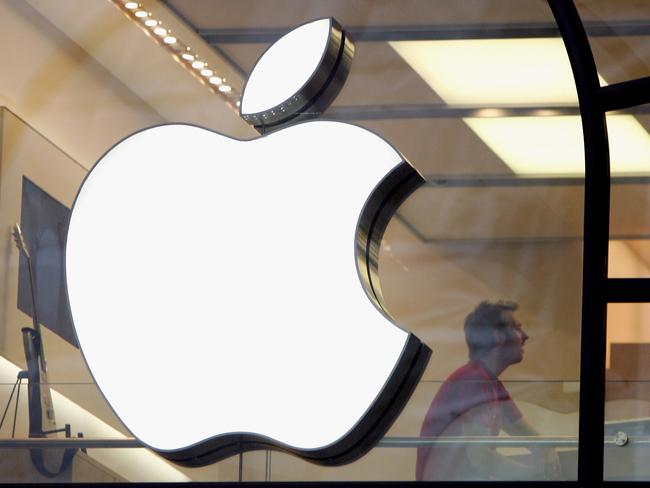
473,402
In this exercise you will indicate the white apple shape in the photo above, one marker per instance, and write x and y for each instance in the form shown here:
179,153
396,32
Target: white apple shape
298,76
267,86
214,289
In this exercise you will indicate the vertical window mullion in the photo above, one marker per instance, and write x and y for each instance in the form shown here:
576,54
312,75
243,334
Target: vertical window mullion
596,236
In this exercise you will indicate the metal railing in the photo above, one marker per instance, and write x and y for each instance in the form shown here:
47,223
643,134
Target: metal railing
619,440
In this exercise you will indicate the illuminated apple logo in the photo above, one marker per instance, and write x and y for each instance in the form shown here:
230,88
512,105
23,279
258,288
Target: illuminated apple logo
224,292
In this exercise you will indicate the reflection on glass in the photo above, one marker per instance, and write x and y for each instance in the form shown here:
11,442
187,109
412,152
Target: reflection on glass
620,47
627,392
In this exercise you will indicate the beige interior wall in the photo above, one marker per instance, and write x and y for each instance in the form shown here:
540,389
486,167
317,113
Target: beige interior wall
625,260
150,73
626,323
61,90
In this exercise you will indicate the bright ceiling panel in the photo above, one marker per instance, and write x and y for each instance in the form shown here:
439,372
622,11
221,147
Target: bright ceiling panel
528,72
493,71
553,145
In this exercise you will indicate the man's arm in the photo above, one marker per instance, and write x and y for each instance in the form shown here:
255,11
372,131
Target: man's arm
547,456
485,459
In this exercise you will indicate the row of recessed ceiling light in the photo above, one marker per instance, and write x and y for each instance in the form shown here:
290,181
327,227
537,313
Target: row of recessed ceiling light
181,51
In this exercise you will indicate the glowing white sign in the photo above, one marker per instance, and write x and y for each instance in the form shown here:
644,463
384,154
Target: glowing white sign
214,288
299,53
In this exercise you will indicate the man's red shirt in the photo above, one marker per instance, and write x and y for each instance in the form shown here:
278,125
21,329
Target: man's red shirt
470,386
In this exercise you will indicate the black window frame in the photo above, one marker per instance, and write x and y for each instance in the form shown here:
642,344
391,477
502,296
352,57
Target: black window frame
598,289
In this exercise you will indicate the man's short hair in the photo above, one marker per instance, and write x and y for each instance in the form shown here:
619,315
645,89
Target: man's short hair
481,324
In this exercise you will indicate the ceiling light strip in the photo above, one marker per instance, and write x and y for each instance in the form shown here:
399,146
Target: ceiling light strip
180,51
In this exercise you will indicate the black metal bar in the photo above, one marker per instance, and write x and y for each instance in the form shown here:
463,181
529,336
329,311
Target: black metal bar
383,33
386,442
494,241
512,181
454,181
610,441
625,94
438,110
13,428
442,111
11,396
69,443
628,290
229,59
493,441
596,236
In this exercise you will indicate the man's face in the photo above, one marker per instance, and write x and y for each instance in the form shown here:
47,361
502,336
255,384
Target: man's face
514,338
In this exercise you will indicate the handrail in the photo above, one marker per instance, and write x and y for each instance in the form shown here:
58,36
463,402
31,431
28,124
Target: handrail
73,442
519,441
392,442
619,440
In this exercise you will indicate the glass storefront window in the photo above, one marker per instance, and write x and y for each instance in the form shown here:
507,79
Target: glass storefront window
479,98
